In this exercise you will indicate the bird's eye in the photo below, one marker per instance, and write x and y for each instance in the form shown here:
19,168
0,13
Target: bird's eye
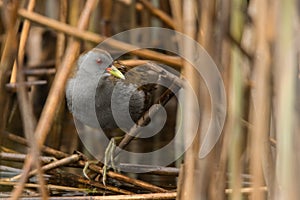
99,61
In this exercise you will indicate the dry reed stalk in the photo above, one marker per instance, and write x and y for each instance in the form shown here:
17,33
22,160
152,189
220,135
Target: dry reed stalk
61,38
96,184
158,13
28,119
74,10
57,163
260,115
95,38
236,104
9,15
56,130
12,87
49,186
22,43
132,19
187,189
48,150
18,157
286,77
126,179
247,190
151,196
162,100
151,169
206,25
234,124
222,58
206,166
106,17
56,93
176,8
57,90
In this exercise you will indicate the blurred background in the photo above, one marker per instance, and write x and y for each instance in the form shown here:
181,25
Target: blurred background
254,43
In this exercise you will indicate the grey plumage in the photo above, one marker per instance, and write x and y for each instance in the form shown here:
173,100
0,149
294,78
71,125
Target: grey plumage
99,100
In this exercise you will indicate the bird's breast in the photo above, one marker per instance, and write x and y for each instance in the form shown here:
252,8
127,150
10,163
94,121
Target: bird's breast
118,103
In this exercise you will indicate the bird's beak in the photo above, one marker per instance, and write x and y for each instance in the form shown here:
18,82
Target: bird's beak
115,72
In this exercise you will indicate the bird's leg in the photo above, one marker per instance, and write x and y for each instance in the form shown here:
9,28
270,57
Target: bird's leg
112,158
108,160
109,157
108,154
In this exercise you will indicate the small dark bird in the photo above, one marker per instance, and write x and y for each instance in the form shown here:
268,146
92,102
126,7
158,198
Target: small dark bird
101,95
98,86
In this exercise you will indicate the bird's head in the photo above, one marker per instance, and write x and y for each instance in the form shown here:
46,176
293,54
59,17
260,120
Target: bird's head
99,61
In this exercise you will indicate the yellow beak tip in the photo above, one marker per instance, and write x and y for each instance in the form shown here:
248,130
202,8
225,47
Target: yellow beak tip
115,72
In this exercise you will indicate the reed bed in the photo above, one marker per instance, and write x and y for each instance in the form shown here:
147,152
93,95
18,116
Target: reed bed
256,47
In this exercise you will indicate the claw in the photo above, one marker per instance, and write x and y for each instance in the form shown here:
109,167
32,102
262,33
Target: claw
86,167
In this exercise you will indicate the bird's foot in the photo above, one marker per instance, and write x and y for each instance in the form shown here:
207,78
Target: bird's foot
109,161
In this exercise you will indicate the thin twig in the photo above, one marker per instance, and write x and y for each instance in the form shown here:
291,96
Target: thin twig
163,99
152,196
106,187
18,157
45,64
158,170
9,169
39,72
95,38
134,130
12,87
126,179
49,186
273,142
48,150
239,46
83,181
246,190
133,62
158,13
65,161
